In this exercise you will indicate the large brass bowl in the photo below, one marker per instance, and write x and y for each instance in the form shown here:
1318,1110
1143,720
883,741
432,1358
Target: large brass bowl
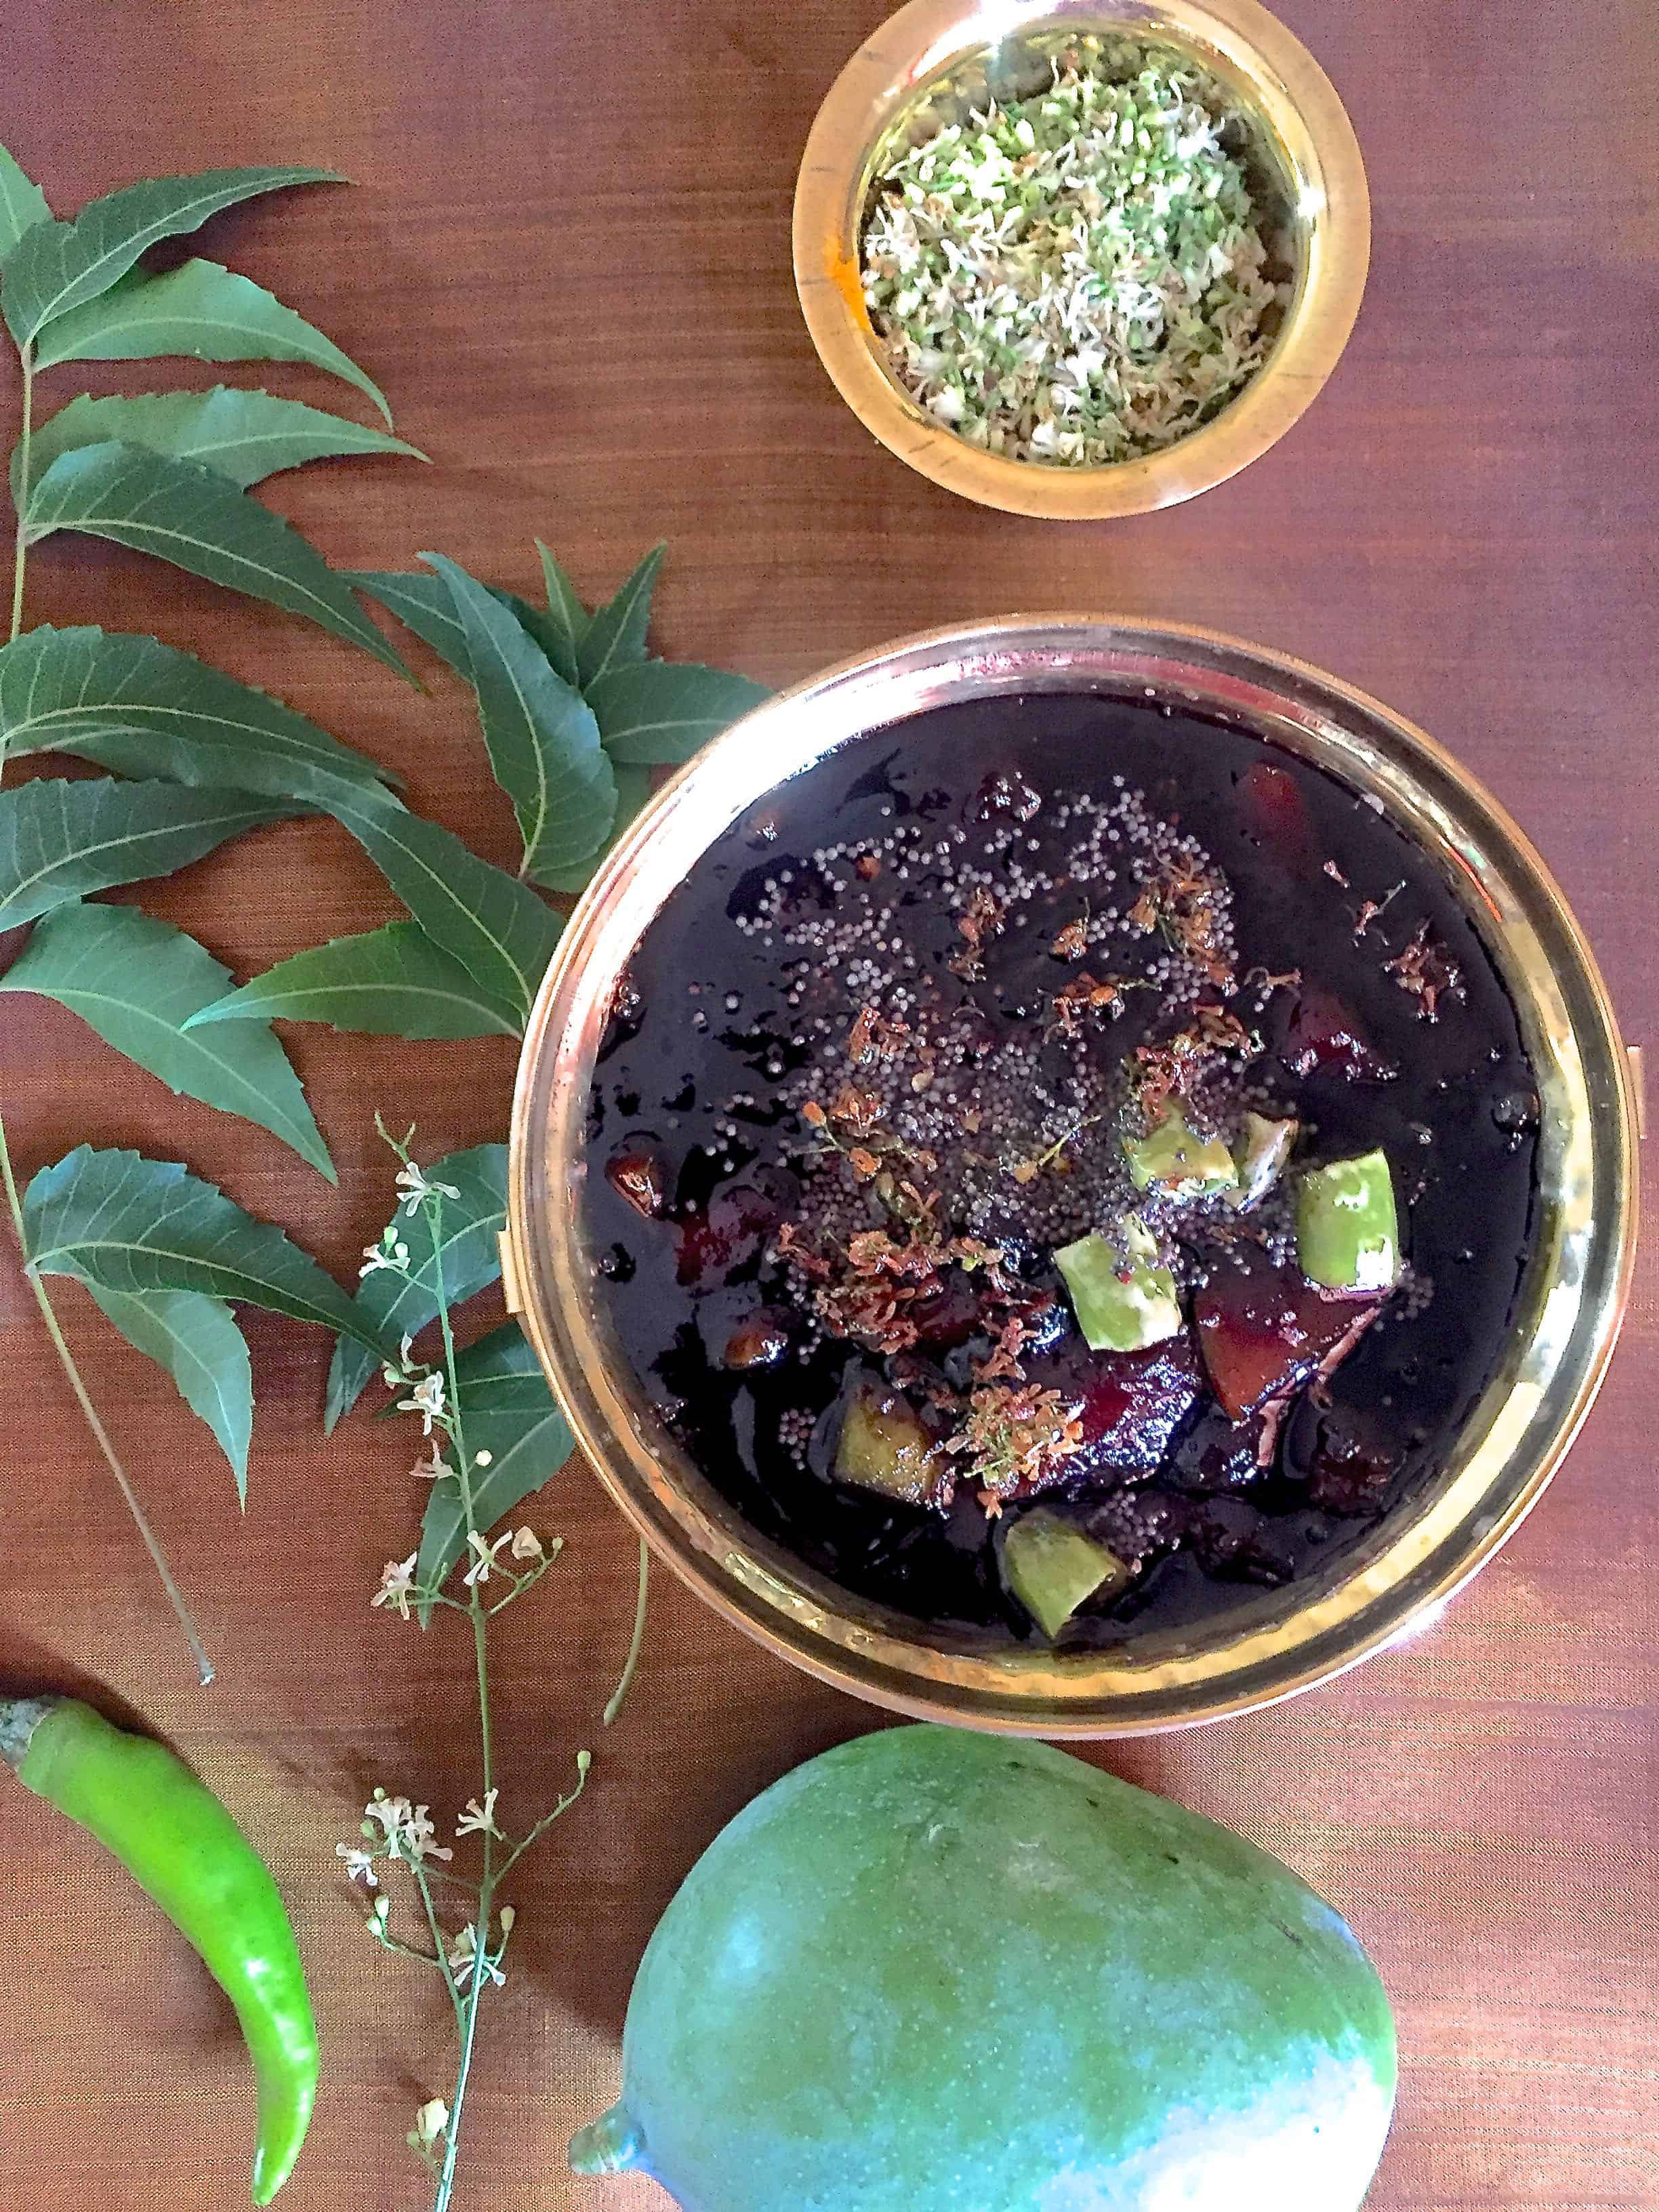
1271,1643
934,61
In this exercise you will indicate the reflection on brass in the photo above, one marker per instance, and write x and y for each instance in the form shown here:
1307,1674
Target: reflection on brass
936,59
1570,1301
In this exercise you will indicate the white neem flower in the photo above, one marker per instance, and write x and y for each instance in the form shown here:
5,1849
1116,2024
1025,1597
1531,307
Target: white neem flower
430,2121
488,1556
376,1255
419,1837
409,1834
464,1956
397,1584
526,1544
430,1470
479,1820
425,1398
359,1865
416,1188
390,1811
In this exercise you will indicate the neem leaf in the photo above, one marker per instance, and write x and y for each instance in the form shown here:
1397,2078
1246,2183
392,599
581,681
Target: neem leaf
144,708
59,840
540,733
563,601
526,1450
201,309
496,928
22,202
615,636
246,435
136,980
500,1374
198,1343
424,603
124,1223
57,265
663,710
393,981
395,1305
185,513
509,1412
566,619
547,630
633,789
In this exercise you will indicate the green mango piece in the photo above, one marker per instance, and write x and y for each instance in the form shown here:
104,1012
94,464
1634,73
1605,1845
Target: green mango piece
1347,1227
1122,1300
1176,1163
936,1972
1051,1566
885,1447
1260,1152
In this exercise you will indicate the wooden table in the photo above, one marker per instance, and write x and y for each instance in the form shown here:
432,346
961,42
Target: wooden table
566,260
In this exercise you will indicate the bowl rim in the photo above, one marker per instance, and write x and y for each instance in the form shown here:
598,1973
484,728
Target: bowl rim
1517,1434
1269,68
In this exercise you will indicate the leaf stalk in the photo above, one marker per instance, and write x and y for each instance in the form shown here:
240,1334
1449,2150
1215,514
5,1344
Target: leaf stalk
99,1434
20,547
13,1202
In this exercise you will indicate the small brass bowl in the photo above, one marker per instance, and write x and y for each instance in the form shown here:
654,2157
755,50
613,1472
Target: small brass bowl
937,59
1267,1644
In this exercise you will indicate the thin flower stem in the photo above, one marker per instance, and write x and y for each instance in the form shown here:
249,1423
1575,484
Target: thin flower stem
427,1899
637,1640
522,1583
467,2008
458,2096
404,1950
468,1978
481,1661
452,1880
544,1824
99,1434
434,1873
476,1606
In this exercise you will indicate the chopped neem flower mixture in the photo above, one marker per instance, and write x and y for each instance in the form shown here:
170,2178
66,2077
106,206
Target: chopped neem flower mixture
1076,277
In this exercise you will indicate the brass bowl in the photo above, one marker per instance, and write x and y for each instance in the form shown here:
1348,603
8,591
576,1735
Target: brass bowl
1270,1643
936,59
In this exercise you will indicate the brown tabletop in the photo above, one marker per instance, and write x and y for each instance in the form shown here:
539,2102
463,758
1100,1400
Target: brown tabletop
566,260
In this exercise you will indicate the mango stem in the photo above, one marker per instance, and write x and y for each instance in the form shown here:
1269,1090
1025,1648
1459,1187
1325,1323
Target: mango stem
610,2144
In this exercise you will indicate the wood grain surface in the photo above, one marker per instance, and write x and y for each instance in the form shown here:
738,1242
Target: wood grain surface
565,259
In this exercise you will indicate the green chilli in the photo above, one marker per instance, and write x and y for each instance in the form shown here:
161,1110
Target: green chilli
182,1848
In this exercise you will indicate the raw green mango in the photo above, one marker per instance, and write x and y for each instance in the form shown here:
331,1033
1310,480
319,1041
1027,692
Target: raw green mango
933,1972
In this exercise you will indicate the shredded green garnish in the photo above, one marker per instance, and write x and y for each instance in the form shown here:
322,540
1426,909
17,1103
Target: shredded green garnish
1075,278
